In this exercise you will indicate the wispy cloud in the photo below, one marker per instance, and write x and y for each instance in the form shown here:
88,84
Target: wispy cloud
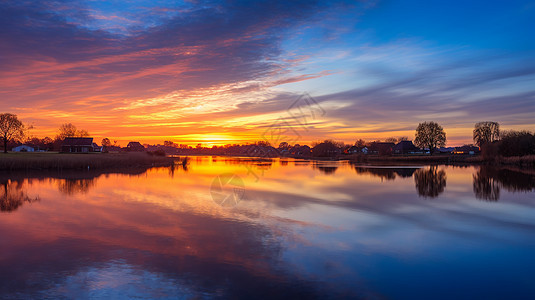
231,67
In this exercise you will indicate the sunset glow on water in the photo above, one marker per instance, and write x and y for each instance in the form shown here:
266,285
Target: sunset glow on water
267,149
302,229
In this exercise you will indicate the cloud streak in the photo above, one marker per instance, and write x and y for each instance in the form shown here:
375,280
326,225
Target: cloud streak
233,67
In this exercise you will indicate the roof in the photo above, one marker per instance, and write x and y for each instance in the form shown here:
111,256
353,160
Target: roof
405,146
134,144
380,145
23,146
79,141
467,148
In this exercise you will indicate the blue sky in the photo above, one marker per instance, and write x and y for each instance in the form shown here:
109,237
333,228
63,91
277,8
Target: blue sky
223,71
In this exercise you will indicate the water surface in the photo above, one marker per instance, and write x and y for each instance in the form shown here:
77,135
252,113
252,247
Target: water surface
237,228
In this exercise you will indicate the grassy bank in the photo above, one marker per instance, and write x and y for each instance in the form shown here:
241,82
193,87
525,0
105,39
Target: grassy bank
410,159
67,161
527,161
516,161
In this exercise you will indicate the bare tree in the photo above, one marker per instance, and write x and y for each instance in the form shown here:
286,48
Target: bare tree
106,142
66,130
82,133
284,146
11,128
360,143
69,130
430,135
486,132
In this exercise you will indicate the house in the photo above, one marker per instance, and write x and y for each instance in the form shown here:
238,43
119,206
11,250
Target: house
381,148
405,147
77,145
300,150
97,148
446,150
23,148
466,149
135,147
352,150
326,149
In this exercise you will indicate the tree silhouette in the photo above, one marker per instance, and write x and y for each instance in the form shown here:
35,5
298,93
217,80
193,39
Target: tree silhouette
10,128
430,135
430,183
69,130
106,142
360,143
486,132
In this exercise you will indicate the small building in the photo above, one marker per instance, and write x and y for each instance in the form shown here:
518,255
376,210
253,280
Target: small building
77,145
300,150
405,147
135,147
466,149
23,148
381,148
97,148
446,150
352,150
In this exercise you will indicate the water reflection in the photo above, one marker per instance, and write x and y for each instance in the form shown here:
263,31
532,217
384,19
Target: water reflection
386,173
324,168
13,195
298,234
75,186
184,166
431,182
69,182
488,181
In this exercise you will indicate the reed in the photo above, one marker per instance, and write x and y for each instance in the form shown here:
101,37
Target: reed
68,161
522,161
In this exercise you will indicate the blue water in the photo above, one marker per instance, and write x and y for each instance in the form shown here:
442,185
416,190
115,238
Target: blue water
235,228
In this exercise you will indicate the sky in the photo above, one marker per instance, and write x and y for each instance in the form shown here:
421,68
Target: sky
218,72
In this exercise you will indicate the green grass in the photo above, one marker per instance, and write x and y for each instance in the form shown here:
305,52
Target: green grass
67,161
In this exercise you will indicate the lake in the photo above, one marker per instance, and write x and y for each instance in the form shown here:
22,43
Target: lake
239,228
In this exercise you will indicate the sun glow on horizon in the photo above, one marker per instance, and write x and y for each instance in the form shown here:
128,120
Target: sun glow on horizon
210,73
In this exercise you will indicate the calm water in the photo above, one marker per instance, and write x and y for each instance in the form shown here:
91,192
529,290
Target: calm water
228,228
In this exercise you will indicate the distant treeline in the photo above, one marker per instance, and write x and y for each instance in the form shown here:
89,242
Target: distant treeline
511,143
430,138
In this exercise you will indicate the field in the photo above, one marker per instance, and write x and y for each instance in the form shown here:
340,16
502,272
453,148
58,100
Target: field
85,161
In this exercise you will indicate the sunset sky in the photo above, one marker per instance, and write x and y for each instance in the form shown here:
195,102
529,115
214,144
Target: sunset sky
218,72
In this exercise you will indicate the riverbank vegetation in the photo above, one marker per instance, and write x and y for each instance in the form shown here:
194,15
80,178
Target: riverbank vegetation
89,161
491,146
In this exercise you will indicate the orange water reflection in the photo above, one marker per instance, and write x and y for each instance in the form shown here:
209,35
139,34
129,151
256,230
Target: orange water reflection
159,230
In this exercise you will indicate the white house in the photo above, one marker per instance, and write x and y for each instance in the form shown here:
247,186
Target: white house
23,148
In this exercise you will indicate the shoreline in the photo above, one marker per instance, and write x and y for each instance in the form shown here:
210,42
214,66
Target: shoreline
81,161
117,161
438,159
